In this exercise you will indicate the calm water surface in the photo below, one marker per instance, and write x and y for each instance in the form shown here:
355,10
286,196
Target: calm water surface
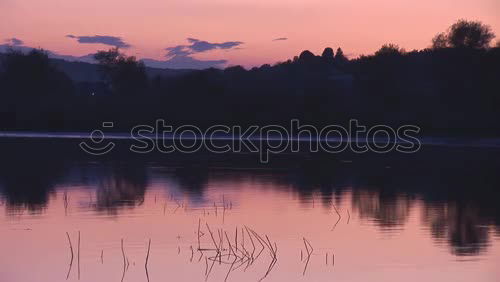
432,216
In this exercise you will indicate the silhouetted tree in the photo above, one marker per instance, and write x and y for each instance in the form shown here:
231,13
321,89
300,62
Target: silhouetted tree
33,75
390,50
465,34
440,41
328,54
124,74
340,57
32,90
235,69
306,56
471,34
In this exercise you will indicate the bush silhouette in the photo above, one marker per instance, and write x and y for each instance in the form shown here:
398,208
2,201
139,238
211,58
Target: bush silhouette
390,50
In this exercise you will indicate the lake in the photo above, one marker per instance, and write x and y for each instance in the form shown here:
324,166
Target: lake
67,216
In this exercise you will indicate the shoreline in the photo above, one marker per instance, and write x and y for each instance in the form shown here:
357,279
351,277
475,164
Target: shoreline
486,142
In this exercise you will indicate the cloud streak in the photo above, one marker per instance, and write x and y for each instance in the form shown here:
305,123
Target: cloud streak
101,39
280,39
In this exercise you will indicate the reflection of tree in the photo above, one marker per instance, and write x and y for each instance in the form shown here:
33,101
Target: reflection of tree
435,217
386,210
121,186
460,225
27,179
323,177
193,180
497,231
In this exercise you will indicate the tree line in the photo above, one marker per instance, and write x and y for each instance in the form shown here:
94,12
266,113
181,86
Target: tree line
449,88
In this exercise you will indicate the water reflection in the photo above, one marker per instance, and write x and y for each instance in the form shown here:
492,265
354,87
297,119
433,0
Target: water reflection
458,197
460,225
388,211
27,181
116,185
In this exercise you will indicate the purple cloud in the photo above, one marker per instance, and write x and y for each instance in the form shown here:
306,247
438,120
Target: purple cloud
199,46
180,56
101,39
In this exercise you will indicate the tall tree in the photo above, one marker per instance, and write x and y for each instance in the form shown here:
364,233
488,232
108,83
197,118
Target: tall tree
340,57
124,74
465,34
327,54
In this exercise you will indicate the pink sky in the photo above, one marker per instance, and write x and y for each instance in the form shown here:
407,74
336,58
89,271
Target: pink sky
359,27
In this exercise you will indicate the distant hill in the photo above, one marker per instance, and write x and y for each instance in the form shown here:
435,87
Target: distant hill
80,71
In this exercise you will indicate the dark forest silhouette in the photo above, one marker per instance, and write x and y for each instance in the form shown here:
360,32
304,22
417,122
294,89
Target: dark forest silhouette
450,88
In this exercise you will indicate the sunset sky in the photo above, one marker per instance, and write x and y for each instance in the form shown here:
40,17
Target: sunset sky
239,31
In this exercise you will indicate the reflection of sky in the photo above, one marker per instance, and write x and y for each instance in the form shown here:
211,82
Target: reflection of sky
399,254
151,26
